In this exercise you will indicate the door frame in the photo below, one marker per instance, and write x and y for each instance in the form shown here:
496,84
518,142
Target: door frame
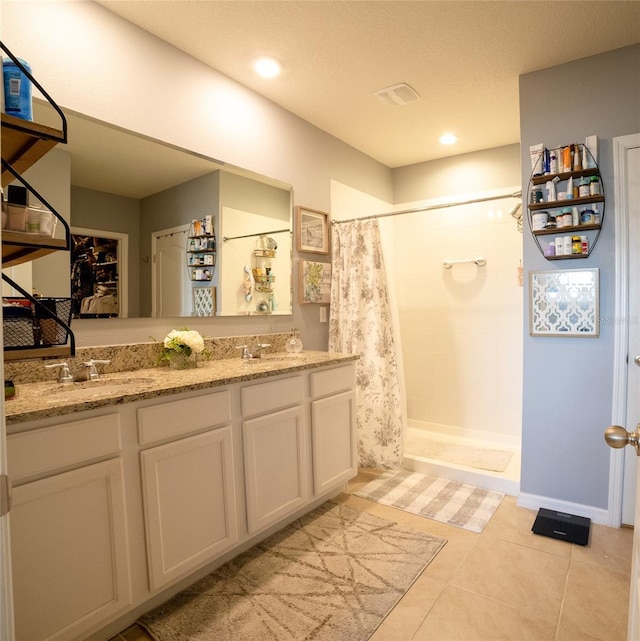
621,145
123,262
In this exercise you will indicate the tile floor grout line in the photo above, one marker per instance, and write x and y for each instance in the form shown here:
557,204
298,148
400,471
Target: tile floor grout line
564,595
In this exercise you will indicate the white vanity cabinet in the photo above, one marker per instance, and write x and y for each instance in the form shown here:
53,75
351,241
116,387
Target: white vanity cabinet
119,507
333,427
188,484
69,537
275,446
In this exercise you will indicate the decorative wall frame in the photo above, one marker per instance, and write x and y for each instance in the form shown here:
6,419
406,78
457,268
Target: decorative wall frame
314,282
204,301
564,303
312,231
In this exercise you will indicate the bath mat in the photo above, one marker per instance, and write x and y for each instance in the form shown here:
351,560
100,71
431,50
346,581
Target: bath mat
477,457
333,574
435,498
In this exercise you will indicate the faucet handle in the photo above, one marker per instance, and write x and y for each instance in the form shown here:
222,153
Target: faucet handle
64,376
92,374
246,354
257,350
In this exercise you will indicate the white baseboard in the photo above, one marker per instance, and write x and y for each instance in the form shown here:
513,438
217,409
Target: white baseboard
535,502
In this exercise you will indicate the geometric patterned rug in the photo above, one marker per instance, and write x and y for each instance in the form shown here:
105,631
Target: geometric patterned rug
435,498
334,574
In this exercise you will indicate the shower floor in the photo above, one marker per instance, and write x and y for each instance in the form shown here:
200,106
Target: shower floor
416,459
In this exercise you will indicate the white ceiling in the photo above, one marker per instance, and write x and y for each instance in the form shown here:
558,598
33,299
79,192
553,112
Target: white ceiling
462,57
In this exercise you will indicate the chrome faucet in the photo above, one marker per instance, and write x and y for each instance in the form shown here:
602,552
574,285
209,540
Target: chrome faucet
88,371
64,375
256,352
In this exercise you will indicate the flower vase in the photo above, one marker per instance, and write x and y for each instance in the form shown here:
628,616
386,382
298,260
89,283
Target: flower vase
182,361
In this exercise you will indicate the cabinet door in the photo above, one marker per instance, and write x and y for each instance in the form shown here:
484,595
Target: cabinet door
69,552
333,433
190,503
276,472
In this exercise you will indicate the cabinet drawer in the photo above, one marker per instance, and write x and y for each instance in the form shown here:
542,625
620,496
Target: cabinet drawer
62,446
266,397
177,418
332,381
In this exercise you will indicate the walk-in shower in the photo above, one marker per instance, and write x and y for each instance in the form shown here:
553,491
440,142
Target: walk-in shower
457,277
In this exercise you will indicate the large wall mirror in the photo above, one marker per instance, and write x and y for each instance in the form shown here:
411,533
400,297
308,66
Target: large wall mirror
132,203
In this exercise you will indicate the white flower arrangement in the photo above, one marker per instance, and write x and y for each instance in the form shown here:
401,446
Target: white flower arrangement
182,342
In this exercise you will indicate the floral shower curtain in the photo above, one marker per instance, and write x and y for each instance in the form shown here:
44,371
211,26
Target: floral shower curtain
360,323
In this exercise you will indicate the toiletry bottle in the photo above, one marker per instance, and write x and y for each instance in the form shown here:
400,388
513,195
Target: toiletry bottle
577,159
559,245
583,189
585,244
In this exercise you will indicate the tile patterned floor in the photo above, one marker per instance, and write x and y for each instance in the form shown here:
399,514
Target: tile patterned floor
506,583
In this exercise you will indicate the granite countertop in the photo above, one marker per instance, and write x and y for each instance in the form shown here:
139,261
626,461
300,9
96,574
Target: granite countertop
36,401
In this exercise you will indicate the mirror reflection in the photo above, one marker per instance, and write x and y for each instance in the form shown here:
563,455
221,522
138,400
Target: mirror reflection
161,232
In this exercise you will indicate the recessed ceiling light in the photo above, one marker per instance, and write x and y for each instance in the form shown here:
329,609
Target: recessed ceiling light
267,67
448,139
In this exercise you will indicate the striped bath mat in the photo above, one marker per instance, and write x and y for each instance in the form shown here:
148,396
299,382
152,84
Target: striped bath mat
435,498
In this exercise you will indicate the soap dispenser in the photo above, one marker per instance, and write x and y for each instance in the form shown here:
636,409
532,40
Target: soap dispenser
294,343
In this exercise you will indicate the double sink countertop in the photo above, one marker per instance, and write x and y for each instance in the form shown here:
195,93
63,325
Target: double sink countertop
47,399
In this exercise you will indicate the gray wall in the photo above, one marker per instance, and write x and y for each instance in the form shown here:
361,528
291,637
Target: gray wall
568,382
467,173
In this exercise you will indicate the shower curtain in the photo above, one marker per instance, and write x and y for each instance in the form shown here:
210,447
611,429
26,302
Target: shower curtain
360,323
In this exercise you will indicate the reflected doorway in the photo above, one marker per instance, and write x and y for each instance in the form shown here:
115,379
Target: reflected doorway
98,273
171,286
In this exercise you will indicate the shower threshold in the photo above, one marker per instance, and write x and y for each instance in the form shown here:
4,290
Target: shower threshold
416,459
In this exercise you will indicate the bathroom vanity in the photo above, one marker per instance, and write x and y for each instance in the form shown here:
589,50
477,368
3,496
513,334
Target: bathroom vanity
129,489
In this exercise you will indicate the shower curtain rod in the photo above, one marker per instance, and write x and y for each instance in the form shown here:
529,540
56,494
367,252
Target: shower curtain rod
515,194
261,233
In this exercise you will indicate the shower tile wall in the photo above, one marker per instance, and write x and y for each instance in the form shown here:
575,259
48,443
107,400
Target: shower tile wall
461,328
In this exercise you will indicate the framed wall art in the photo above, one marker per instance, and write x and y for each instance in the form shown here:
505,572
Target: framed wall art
204,301
314,282
312,228
564,303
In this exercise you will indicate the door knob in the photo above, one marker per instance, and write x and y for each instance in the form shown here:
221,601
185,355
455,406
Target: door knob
616,436
636,360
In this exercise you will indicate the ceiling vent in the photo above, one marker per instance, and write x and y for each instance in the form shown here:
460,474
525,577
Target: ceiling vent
397,95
